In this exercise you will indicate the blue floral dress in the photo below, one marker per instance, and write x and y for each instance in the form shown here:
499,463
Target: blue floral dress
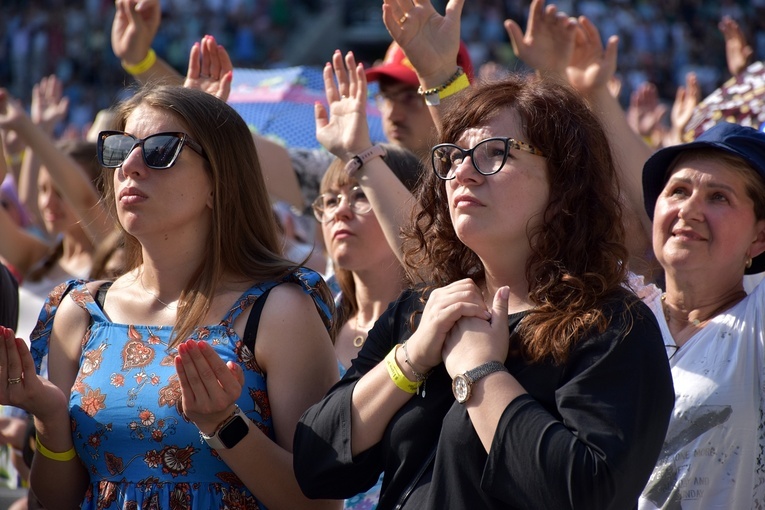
126,422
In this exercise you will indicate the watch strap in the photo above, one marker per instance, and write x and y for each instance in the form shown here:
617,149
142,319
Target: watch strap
362,158
214,441
483,370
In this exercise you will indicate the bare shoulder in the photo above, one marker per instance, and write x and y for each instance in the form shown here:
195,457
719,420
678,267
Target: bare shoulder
290,325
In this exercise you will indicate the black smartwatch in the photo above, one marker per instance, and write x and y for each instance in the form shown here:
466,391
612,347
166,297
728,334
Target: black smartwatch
230,432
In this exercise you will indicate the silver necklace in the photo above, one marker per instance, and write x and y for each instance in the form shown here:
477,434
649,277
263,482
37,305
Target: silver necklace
155,296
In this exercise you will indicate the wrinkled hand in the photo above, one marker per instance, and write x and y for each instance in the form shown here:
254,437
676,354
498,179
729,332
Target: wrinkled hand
548,44
135,25
210,68
35,394
591,66
49,105
737,51
430,41
209,386
645,111
444,308
474,341
343,130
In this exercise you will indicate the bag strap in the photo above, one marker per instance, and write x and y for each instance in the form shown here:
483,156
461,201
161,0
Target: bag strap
251,329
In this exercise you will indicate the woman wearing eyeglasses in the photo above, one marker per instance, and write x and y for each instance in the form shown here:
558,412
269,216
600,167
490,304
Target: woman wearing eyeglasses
523,374
367,270
180,384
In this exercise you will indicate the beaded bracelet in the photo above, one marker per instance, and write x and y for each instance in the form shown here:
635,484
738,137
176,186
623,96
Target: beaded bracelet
60,457
420,377
142,66
398,377
435,90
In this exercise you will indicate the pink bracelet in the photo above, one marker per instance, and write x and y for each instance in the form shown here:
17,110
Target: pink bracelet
363,158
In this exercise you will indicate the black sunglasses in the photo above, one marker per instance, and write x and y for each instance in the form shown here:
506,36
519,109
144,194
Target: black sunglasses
160,151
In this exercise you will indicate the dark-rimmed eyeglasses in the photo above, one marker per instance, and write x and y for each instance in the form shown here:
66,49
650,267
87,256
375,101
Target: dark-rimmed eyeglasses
488,156
160,150
325,206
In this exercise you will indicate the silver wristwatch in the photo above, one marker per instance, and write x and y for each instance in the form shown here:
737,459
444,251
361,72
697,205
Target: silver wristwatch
463,383
230,432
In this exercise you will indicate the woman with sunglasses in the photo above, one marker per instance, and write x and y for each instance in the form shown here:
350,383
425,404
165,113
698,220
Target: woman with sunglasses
179,385
523,374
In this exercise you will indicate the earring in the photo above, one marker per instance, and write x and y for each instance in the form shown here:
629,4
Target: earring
748,262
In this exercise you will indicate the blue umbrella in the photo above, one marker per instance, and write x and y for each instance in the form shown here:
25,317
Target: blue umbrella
278,104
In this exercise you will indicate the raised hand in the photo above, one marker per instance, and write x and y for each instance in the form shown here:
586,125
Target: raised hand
134,27
474,341
444,308
20,386
686,100
210,68
49,105
548,43
737,51
209,386
591,66
645,111
430,41
343,130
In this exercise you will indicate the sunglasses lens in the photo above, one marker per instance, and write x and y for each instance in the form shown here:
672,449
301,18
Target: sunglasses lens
160,151
115,148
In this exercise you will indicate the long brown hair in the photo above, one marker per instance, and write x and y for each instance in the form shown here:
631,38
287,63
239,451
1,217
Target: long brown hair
404,165
243,235
578,251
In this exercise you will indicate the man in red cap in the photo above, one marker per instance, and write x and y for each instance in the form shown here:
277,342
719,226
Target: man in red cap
406,120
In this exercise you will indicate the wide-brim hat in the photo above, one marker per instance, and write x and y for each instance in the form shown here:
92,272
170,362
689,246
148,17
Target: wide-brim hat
396,65
741,141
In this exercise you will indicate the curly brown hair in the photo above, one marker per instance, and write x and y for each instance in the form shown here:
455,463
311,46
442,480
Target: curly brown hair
578,250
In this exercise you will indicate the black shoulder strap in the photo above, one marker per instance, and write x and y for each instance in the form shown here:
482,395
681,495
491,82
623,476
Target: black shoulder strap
101,293
251,329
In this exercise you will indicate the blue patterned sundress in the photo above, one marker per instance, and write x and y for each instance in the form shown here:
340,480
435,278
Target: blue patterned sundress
126,422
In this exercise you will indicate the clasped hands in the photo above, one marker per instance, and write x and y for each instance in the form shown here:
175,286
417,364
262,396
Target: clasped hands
460,329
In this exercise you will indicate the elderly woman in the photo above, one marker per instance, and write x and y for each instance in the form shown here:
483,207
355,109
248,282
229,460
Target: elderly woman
707,202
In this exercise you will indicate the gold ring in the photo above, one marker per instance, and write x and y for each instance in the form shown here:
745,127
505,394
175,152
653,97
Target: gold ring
14,380
403,19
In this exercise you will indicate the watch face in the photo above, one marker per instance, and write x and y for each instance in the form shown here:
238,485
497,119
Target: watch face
460,388
233,432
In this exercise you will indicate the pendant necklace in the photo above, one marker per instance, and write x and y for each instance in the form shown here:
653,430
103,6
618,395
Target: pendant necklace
359,339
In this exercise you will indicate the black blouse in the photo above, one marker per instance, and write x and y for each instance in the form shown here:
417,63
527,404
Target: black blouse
586,436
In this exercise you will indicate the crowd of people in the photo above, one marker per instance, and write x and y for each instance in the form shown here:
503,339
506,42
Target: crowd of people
529,296
659,44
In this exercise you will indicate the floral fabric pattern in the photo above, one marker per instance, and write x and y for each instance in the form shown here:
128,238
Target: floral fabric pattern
126,422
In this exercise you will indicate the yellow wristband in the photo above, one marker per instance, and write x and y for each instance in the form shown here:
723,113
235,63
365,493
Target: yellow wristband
60,457
142,66
457,85
395,373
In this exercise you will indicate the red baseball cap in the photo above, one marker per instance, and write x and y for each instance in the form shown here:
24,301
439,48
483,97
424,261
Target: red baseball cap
395,65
